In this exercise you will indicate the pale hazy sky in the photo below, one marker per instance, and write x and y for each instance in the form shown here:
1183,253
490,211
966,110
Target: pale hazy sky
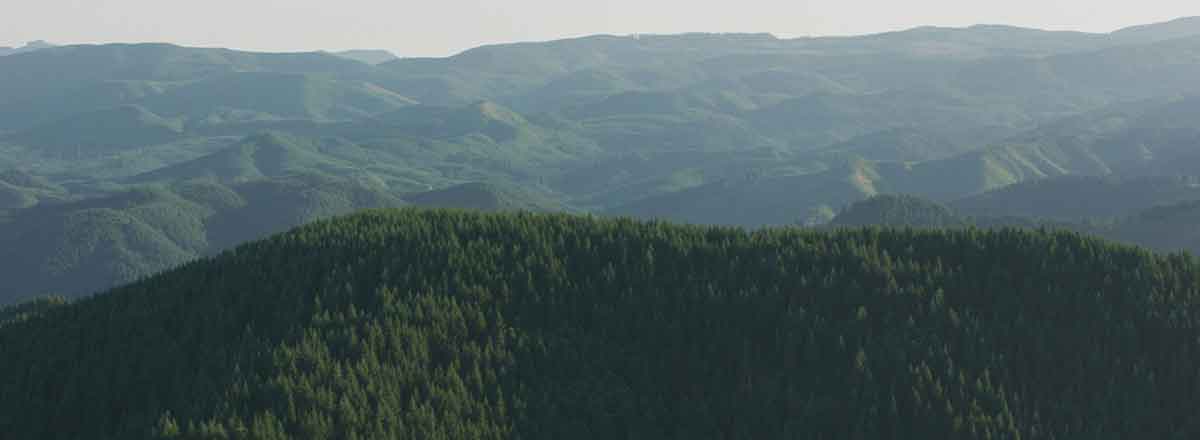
442,27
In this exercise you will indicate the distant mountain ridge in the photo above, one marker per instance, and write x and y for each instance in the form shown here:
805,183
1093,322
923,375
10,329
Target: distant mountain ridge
1169,30
744,130
369,56
28,47
79,247
117,127
1167,227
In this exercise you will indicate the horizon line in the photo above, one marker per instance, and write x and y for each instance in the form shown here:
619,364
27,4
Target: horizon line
776,36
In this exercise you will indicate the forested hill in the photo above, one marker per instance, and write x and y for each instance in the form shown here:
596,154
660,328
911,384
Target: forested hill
1169,227
435,324
899,210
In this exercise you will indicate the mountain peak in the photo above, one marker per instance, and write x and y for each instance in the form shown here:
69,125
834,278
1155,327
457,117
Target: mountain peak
368,56
1169,30
37,44
28,47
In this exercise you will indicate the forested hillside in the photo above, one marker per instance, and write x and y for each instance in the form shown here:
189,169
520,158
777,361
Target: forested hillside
1081,197
1163,227
1167,227
428,324
86,246
898,211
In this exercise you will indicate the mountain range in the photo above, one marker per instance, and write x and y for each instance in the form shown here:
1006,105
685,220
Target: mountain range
28,47
939,233
744,130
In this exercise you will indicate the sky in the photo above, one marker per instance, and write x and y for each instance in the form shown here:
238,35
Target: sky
444,27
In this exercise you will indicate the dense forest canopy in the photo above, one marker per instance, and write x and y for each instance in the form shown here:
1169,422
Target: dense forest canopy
443,324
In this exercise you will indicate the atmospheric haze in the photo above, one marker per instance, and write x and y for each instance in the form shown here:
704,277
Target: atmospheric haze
418,28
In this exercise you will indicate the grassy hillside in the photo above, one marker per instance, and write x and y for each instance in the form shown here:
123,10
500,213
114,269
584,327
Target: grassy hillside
418,324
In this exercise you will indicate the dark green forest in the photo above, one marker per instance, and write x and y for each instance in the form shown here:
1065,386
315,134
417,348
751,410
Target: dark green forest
448,324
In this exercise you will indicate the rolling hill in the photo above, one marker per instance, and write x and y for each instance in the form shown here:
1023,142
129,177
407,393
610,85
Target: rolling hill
80,247
249,96
19,190
1166,227
1080,197
368,56
269,154
426,324
985,303
755,200
1169,227
733,129
899,211
1170,30
34,78
484,197
125,127
28,47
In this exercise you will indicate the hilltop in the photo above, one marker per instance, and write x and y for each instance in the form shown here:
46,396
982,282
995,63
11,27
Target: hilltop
85,246
425,324
28,47
369,56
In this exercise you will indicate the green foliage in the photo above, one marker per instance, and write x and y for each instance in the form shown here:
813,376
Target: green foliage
898,211
19,189
30,308
240,97
117,128
1080,197
270,154
735,129
1170,227
426,324
1167,227
485,197
90,245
